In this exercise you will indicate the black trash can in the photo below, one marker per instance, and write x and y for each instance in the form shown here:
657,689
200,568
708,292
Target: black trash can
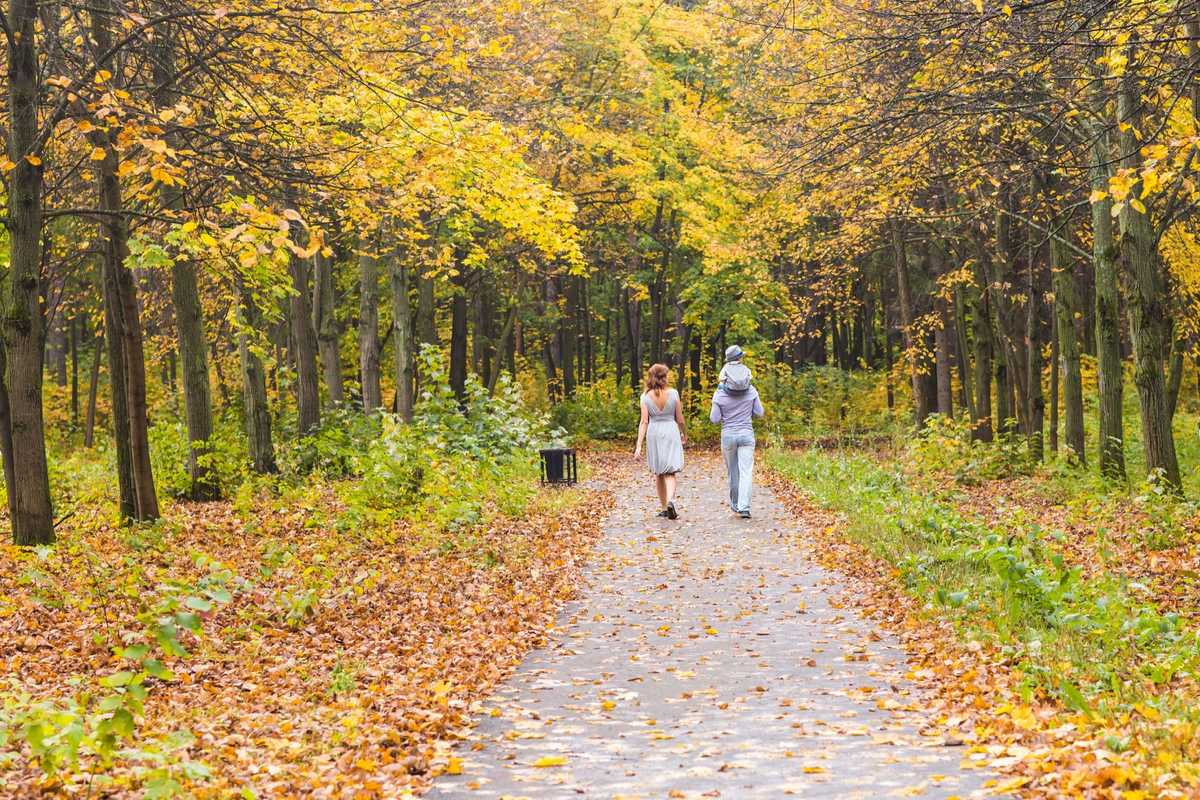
559,467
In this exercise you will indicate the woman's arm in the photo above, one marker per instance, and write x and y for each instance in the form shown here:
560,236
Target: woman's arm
679,419
637,453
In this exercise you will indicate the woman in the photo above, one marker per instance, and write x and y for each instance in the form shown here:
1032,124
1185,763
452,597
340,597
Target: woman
662,430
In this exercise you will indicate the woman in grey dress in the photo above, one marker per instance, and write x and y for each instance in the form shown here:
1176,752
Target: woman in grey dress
662,431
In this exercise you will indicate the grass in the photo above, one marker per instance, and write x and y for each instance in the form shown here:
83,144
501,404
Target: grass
1093,644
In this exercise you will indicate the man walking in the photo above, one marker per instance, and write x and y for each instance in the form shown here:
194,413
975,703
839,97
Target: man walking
735,405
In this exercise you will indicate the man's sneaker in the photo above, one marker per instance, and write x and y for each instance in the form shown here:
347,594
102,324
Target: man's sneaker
662,513
671,512
744,514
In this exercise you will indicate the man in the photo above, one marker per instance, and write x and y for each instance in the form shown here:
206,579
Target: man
735,405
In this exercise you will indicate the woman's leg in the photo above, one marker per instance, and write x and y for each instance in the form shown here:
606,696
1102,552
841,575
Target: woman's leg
660,483
669,481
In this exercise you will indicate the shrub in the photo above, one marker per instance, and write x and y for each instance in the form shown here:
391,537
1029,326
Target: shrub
945,447
170,453
443,465
600,411
333,448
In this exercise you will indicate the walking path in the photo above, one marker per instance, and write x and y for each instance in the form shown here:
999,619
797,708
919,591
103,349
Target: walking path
704,659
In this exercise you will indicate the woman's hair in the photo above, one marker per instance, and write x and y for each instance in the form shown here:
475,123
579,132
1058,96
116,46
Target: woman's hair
657,377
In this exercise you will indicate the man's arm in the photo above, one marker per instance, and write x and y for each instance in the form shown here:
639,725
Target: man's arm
758,409
714,415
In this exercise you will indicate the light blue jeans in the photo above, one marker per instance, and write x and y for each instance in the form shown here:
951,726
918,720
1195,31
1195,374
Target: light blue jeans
738,449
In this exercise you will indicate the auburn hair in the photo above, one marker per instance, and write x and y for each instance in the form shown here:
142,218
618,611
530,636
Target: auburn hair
657,377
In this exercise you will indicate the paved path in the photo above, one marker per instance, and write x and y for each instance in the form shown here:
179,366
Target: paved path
704,659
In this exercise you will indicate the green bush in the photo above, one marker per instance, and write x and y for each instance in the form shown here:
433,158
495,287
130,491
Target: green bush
944,446
333,449
451,458
600,411
170,453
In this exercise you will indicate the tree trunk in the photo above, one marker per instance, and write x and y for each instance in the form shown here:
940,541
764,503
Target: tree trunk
1012,327
1054,381
981,326
20,303
1005,412
402,317
123,300
1066,309
76,336
426,311
633,337
566,333
1175,375
1034,400
966,396
552,348
119,394
6,441
1149,318
368,331
921,397
254,383
89,425
633,312
189,315
683,339
588,343
1109,373
326,326
304,344
56,350
458,337
505,339
945,384
197,394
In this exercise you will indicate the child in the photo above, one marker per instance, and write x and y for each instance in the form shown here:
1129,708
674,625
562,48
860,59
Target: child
733,358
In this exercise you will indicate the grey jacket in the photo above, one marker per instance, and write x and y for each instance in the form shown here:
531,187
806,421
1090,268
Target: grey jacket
736,410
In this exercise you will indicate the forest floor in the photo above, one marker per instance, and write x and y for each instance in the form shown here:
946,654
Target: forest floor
712,657
323,659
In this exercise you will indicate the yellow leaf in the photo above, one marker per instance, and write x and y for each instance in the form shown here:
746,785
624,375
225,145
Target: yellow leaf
608,705
1097,195
1012,784
814,770
550,761
32,159
7,166
98,154
1146,711
1023,717
711,631
365,764
979,6
1007,9
1138,205
454,766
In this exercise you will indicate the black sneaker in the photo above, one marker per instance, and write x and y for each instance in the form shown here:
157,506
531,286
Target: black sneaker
744,514
671,512
662,513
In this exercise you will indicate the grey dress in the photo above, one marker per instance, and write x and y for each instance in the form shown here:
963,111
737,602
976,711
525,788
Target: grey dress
664,446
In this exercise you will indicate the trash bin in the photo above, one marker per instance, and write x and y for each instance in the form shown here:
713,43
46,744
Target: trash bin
559,467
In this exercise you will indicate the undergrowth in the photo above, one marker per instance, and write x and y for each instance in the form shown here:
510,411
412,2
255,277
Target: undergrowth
1096,645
